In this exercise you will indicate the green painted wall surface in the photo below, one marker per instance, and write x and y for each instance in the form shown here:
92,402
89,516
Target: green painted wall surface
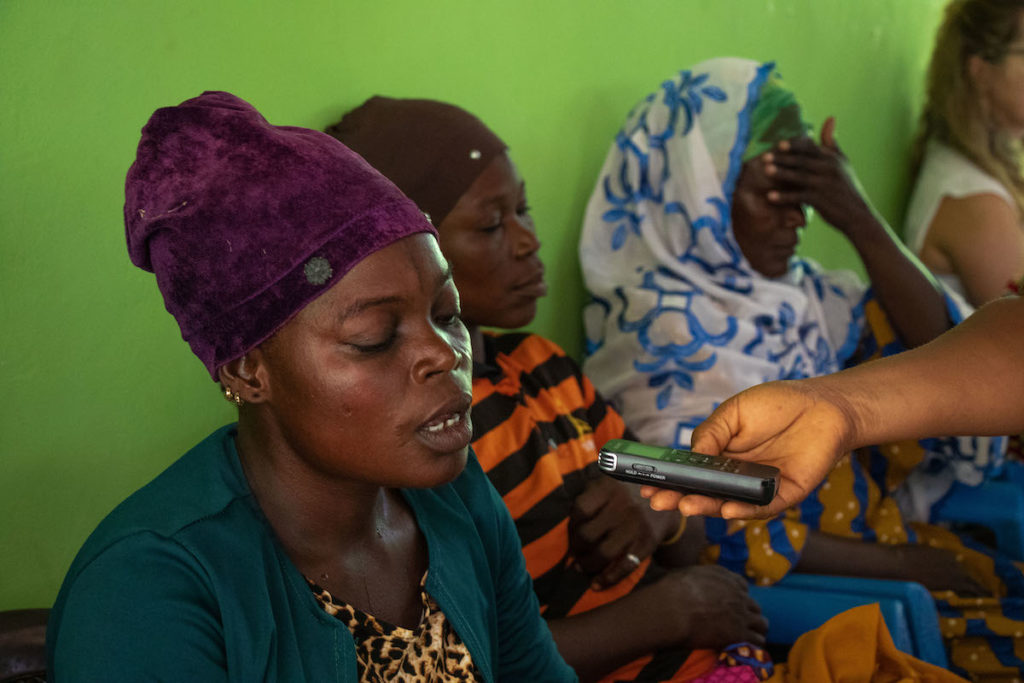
99,391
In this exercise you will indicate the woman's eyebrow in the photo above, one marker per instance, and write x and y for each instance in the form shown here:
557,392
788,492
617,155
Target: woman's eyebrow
360,305
500,196
495,199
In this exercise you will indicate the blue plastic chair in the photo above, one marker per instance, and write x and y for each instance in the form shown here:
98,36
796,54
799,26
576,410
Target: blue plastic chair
802,602
997,504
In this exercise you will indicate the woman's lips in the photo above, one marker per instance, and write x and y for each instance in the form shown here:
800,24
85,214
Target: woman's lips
534,286
450,429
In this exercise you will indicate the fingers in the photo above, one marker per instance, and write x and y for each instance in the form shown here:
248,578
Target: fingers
618,570
664,499
738,582
802,179
974,590
802,155
816,158
797,147
735,510
612,554
805,186
756,625
609,544
967,587
759,628
604,536
789,197
693,505
720,603
591,500
804,172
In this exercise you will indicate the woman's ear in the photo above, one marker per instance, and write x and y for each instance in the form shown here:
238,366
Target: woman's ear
977,72
247,377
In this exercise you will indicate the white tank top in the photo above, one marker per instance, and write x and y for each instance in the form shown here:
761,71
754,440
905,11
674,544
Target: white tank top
945,172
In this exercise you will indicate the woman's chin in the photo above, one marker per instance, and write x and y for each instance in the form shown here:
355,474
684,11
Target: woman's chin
512,318
774,272
454,464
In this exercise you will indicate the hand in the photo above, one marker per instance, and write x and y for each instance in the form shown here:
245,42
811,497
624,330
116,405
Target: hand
798,427
820,176
608,524
706,607
938,569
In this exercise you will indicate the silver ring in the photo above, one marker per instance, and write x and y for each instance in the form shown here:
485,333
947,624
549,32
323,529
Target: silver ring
633,559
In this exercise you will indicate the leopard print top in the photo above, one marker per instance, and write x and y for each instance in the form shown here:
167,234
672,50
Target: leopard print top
431,652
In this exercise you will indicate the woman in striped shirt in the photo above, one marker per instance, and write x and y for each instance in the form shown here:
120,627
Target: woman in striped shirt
607,572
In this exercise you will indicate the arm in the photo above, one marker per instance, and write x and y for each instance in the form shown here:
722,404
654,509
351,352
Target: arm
526,649
936,568
141,611
968,381
980,239
819,176
701,607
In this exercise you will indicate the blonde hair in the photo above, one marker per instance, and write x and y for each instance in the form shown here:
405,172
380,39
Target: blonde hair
954,112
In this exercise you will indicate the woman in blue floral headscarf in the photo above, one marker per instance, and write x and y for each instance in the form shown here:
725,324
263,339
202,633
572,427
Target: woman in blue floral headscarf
688,250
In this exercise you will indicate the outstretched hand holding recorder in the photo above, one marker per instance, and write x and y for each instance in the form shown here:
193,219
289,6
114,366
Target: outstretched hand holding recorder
688,472
966,381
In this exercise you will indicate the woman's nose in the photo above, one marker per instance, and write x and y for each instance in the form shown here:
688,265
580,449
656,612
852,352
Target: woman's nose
796,217
524,238
441,352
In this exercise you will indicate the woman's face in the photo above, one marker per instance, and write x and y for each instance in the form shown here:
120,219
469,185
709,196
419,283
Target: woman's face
488,239
371,381
766,233
1002,85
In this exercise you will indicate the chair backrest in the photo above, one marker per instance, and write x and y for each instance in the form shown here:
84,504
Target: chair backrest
801,602
23,645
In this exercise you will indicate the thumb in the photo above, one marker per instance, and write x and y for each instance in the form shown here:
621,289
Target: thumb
713,434
828,134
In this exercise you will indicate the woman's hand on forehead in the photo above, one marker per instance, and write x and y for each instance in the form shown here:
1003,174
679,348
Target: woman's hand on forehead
818,175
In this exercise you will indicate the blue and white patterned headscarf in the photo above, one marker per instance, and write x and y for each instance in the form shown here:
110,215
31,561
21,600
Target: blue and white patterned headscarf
679,320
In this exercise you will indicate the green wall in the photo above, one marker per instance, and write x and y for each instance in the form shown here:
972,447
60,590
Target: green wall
100,393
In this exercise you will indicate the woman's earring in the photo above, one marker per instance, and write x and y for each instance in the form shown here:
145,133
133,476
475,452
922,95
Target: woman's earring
232,396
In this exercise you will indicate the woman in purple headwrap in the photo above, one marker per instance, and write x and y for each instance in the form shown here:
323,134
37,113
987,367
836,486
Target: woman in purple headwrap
339,531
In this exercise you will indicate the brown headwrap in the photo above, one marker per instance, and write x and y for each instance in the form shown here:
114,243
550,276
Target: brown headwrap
431,150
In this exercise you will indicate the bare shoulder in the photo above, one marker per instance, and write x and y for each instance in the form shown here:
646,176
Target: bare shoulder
968,219
980,239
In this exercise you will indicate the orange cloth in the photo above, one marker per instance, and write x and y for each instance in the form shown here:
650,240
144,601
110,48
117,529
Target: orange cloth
855,646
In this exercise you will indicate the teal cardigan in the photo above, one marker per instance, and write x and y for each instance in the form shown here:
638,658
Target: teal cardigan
185,581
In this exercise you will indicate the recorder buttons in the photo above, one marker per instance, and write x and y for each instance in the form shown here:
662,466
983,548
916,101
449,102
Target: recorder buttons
643,468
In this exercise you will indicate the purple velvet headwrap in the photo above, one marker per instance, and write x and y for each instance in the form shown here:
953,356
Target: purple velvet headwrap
244,223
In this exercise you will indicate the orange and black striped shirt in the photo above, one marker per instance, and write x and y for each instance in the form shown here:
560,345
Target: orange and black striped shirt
537,426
